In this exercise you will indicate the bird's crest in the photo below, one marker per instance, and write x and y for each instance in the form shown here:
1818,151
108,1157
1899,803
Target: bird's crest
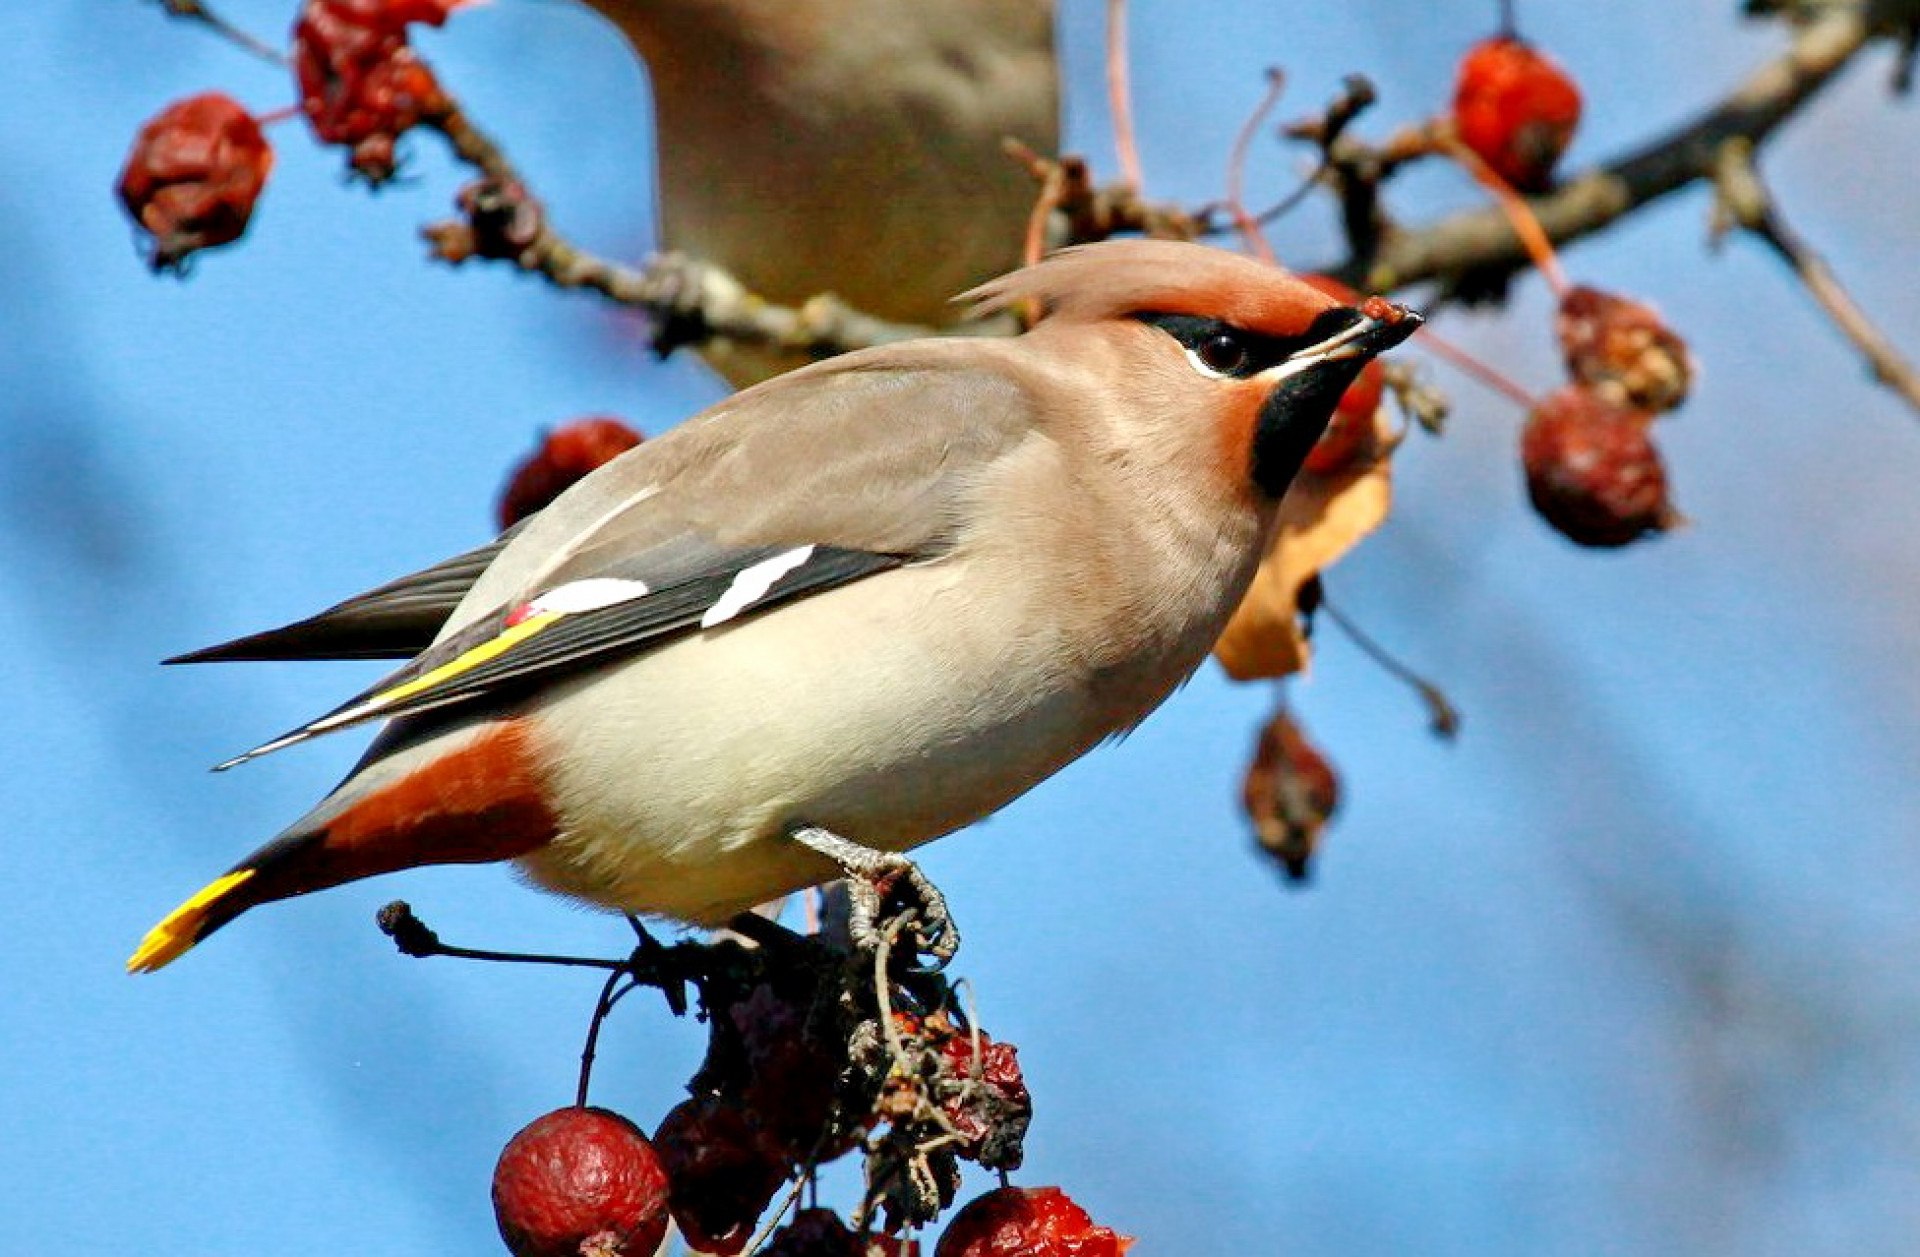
1118,278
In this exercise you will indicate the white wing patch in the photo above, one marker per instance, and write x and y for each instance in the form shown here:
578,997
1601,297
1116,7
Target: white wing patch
750,585
584,595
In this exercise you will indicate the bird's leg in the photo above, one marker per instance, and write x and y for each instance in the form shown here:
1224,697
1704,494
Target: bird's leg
871,874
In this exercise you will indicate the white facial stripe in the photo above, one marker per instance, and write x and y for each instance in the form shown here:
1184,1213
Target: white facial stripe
586,595
750,585
1334,348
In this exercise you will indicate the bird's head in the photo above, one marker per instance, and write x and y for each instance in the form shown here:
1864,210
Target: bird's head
1212,338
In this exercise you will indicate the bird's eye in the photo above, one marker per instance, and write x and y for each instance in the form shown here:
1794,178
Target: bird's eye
1222,353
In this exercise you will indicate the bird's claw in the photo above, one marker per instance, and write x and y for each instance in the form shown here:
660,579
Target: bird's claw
878,880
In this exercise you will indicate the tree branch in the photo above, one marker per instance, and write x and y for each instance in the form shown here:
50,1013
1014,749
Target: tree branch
1745,202
1484,241
691,301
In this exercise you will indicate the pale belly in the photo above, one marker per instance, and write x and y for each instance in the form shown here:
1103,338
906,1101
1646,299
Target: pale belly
891,712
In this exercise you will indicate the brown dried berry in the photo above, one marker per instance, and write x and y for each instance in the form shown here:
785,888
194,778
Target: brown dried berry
793,1065
564,455
821,1233
1592,469
1027,1222
193,175
1516,109
1290,793
360,83
723,1171
1623,350
580,1182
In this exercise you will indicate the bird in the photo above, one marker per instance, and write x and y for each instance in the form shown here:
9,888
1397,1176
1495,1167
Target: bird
836,615
852,147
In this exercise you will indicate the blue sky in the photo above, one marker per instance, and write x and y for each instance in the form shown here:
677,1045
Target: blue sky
1627,969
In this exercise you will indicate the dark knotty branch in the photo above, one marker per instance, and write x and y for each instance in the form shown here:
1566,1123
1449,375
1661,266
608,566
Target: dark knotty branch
1744,202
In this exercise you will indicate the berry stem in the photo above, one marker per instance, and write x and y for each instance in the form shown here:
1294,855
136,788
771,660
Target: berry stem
610,993
197,11
1509,20
1120,95
1248,225
1484,372
1526,225
1443,718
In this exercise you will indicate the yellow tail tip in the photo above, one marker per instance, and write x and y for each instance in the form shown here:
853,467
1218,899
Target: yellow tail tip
176,935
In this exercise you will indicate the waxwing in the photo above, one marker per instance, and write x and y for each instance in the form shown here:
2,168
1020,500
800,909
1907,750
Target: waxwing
845,146
837,615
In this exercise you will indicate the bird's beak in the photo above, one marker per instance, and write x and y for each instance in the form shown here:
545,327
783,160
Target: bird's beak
1381,325
1305,386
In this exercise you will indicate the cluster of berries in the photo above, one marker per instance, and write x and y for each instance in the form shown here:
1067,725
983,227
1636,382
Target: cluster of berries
1591,466
197,167
799,1070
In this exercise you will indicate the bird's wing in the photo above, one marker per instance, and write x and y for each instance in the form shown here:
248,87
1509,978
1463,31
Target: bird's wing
826,478
396,621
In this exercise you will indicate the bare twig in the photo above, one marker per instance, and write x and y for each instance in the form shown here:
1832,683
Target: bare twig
1443,718
1249,226
690,300
197,11
1745,202
1120,95
1483,240
1087,213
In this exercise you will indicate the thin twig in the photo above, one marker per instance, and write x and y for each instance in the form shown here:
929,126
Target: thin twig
1443,718
786,1202
1120,95
1745,202
1249,226
197,11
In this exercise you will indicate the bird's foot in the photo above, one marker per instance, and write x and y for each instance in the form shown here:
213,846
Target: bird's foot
876,877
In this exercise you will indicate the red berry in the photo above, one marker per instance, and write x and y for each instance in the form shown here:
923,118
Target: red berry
1516,109
565,455
1290,793
360,84
1350,433
1623,350
580,1177
1027,1222
193,175
723,1170
991,1109
821,1233
1592,469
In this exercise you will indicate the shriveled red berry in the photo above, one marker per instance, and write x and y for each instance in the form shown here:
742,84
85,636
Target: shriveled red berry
193,175
1350,433
360,83
1027,1222
1592,469
723,1171
1516,109
991,1107
1289,794
1623,350
821,1233
565,455
580,1182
